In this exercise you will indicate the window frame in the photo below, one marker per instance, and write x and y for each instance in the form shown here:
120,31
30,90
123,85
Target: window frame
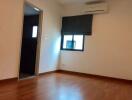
62,41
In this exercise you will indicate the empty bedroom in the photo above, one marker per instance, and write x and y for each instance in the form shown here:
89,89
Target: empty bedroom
66,50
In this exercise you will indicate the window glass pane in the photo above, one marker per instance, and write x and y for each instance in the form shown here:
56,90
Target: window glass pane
35,31
78,42
67,43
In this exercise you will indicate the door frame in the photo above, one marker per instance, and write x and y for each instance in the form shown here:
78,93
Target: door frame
38,38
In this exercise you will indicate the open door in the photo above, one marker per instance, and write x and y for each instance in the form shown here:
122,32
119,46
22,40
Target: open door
30,41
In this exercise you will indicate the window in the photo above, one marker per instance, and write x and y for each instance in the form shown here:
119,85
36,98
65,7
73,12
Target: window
72,42
74,29
35,32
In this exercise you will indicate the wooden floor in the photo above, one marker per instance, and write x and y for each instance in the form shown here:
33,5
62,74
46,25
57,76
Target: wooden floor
59,86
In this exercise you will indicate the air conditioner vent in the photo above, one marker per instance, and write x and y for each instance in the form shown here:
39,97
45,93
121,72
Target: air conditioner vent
96,8
95,2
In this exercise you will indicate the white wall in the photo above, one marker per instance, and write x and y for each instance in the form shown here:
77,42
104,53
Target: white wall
10,36
108,52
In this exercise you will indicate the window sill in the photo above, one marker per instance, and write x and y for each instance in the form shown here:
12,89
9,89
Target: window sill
71,50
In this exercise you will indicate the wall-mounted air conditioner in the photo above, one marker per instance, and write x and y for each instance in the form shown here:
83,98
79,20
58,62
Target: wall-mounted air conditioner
95,8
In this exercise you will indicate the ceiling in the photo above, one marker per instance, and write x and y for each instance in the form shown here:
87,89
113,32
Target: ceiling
29,10
75,1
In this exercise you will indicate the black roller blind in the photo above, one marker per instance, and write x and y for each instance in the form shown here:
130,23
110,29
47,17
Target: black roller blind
77,25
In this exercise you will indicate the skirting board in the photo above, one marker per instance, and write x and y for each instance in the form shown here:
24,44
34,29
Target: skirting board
77,74
45,73
94,76
9,80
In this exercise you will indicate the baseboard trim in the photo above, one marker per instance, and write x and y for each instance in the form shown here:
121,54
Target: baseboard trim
50,72
94,76
73,73
9,80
